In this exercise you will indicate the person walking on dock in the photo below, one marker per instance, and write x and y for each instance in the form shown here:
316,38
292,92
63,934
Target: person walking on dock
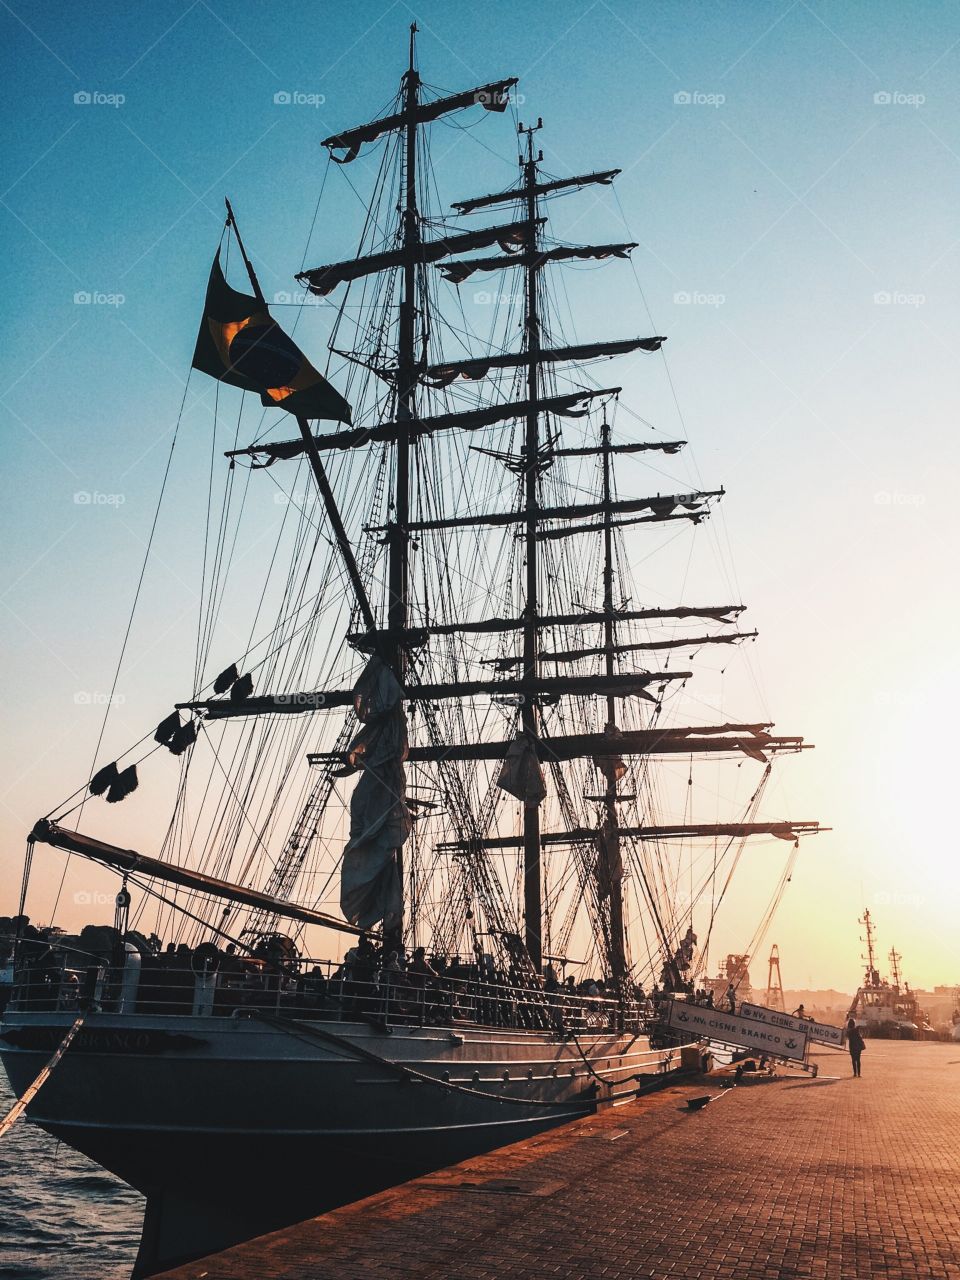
855,1043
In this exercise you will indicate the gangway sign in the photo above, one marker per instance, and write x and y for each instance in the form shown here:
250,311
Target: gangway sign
821,1032
736,1030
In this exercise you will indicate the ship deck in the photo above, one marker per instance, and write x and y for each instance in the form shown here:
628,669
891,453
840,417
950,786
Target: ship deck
788,1178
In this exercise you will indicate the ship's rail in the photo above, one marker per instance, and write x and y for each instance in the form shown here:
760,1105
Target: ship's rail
317,990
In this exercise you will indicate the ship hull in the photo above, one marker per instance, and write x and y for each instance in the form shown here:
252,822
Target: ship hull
233,1127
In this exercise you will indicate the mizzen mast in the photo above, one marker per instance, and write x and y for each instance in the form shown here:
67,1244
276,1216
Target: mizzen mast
610,844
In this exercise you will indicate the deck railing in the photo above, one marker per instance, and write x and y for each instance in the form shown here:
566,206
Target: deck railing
318,990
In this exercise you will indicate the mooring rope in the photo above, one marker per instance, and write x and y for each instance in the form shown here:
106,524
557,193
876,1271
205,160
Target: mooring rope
18,1108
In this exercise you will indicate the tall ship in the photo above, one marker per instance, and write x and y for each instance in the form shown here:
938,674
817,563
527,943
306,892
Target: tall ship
433,851
886,1007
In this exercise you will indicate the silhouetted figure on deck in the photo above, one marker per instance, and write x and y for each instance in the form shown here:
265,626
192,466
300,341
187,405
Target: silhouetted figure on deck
420,969
362,971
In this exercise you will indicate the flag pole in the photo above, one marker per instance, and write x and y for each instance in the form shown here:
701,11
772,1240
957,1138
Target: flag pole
316,462
255,283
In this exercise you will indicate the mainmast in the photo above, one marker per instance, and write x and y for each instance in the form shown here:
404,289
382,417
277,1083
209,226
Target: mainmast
399,535
398,572
610,845
532,877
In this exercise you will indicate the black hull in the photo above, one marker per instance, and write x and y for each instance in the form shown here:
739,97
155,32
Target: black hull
234,1127
200,1200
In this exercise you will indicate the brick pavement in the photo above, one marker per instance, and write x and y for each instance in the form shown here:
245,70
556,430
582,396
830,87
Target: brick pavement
785,1180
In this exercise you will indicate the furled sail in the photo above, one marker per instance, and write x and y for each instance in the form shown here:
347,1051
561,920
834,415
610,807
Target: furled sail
414,636
457,272
787,831
522,774
441,375
492,97
646,646
470,420
752,740
660,505
628,684
323,280
602,176
370,889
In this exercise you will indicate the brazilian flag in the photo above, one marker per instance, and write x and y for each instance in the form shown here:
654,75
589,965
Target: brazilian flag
239,343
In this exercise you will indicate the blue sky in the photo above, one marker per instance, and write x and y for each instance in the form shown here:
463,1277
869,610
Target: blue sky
792,173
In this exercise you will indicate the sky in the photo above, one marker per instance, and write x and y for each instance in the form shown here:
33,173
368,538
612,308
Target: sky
791,172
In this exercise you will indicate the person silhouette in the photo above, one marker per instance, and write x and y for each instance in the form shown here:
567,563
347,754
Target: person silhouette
855,1043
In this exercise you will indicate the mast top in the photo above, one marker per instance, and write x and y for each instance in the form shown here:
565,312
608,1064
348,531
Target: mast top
529,160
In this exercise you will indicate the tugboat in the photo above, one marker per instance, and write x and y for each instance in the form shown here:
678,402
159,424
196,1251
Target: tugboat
882,1008
454,704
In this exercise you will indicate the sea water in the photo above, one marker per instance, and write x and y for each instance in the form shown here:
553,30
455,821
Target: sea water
62,1217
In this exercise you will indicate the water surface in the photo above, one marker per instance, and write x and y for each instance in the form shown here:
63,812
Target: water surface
61,1216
